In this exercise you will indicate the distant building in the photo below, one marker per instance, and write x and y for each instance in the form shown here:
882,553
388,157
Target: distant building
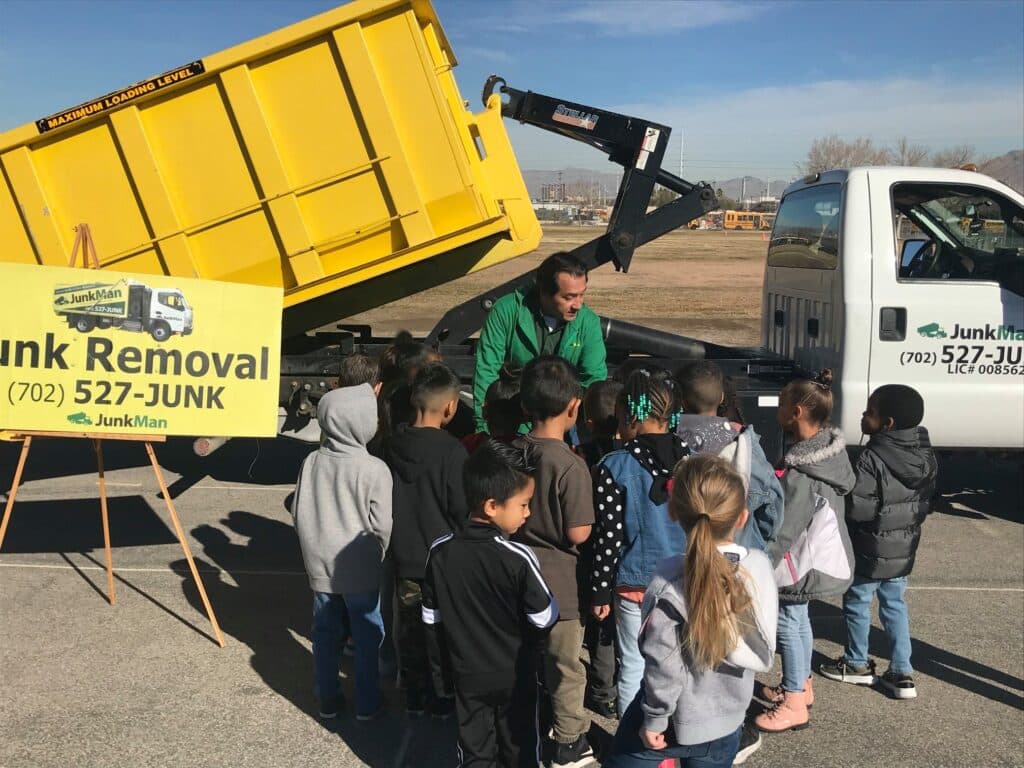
552,193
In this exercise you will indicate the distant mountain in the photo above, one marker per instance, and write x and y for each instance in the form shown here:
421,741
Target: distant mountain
581,181
1008,168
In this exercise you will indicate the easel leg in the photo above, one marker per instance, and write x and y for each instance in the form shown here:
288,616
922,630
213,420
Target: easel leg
26,444
98,446
184,545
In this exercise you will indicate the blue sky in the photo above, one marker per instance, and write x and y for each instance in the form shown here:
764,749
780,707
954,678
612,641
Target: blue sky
749,84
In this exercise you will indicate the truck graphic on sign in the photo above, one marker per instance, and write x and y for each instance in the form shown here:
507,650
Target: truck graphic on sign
126,304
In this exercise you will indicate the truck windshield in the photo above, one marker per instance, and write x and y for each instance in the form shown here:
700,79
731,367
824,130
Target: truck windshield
806,231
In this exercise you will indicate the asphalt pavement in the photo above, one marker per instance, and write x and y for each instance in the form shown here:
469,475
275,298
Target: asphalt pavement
141,683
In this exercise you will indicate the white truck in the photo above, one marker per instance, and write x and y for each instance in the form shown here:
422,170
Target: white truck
911,276
126,304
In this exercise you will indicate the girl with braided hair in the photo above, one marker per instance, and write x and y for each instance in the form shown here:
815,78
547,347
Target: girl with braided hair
633,532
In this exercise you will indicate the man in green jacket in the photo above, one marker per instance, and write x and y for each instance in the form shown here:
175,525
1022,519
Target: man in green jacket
546,318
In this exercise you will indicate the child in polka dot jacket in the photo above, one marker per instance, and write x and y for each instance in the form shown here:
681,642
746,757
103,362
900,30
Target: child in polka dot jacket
633,532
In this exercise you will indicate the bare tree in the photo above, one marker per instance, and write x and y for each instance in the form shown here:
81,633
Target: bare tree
905,153
954,157
833,152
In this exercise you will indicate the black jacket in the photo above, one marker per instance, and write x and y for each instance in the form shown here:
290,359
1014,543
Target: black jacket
428,500
488,595
895,481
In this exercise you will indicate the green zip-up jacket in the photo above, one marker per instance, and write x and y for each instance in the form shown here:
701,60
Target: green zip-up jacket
510,334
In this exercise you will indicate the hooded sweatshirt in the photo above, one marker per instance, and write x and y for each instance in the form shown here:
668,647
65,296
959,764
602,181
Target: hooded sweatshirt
741,447
707,704
895,480
817,471
633,532
429,502
342,500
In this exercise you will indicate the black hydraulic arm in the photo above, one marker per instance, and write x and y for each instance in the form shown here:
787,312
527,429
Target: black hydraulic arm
635,144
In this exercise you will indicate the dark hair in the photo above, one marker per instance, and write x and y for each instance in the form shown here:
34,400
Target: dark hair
433,382
552,266
496,470
503,410
701,385
599,406
651,394
903,404
549,385
358,369
813,394
404,358
631,364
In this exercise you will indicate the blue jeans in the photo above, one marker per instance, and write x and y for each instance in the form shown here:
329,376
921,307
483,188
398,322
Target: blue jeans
796,644
628,751
892,610
631,661
334,617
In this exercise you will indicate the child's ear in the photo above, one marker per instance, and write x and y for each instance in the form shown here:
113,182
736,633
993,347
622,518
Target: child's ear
450,407
742,519
376,388
490,508
889,424
574,408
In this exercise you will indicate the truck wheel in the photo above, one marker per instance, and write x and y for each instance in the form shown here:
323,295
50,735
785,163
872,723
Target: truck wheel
160,331
103,322
84,323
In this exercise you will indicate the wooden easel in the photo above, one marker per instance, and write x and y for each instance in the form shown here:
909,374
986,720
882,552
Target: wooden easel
84,245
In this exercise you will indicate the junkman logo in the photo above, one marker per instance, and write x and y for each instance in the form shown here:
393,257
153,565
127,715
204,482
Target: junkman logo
932,331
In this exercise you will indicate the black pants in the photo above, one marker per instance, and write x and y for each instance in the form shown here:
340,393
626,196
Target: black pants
425,669
599,637
499,728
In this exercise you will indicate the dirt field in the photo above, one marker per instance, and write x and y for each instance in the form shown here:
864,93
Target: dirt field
701,284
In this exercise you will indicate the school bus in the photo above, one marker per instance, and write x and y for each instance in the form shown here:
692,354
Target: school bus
746,220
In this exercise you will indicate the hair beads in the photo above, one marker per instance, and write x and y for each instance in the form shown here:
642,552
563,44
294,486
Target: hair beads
639,408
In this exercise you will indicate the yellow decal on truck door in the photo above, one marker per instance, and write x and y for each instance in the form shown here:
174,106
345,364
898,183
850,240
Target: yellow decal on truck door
84,350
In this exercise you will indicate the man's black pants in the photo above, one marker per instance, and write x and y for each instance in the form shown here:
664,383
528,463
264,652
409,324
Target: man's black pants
499,728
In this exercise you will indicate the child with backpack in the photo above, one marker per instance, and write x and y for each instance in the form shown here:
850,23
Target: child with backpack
811,552
702,388
709,619
884,512
633,531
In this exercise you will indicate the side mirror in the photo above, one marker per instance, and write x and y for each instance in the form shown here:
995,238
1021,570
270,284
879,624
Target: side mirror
910,251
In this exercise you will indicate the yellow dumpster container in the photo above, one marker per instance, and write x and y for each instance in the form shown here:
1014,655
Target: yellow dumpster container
334,157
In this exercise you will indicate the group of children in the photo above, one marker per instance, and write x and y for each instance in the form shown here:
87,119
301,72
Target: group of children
664,547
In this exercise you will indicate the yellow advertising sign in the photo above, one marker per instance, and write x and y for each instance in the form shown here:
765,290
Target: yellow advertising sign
97,351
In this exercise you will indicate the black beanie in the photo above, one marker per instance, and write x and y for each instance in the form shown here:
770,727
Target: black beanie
901,403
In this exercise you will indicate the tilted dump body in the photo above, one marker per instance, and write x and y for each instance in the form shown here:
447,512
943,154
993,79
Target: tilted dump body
334,157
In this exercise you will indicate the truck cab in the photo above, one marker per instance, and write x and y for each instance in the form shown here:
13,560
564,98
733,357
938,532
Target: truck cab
911,276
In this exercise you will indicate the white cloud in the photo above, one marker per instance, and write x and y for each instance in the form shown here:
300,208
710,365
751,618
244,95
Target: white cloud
629,17
765,131
480,53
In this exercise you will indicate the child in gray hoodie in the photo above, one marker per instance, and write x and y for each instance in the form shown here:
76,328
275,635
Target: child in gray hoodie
709,621
342,510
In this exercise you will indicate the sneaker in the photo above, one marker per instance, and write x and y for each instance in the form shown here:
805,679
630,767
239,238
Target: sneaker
790,714
603,708
380,710
415,704
750,742
442,708
575,755
898,686
843,672
330,710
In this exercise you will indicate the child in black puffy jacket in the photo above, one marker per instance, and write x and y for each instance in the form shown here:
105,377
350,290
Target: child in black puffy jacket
895,480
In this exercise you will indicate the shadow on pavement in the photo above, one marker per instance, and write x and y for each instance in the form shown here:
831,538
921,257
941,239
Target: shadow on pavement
979,487
74,525
270,611
951,668
242,460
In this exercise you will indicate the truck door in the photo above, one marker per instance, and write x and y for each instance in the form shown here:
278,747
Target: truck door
948,305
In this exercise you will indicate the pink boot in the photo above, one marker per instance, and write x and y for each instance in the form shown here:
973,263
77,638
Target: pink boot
773,693
790,714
